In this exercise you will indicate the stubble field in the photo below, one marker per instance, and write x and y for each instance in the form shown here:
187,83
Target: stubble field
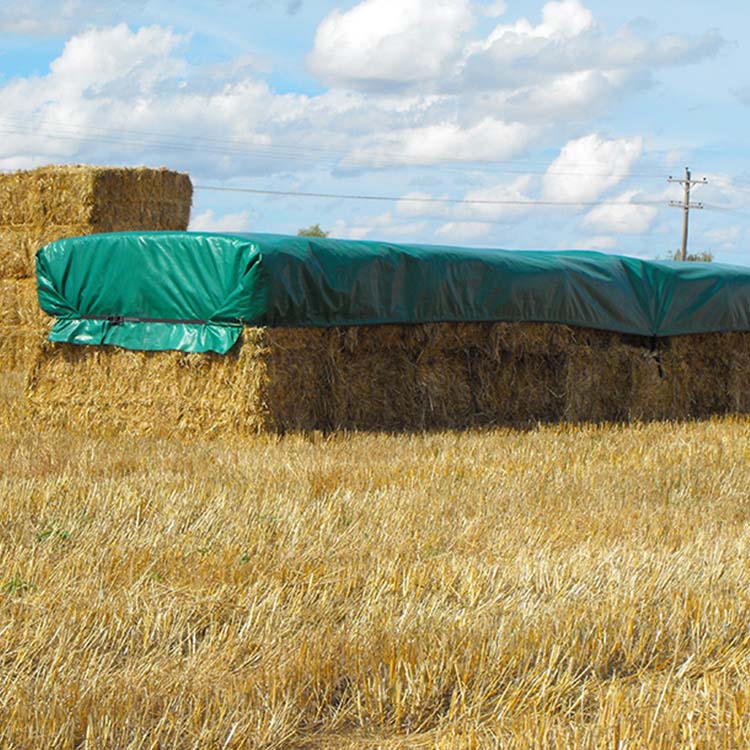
560,587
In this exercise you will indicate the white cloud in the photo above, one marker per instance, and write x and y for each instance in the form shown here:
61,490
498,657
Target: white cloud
463,231
560,20
726,238
208,221
45,18
415,204
496,203
102,61
494,9
510,199
625,217
385,225
600,242
379,42
720,191
568,40
129,96
486,140
587,167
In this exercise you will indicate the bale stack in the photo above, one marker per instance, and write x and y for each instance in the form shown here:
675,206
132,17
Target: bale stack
45,204
390,377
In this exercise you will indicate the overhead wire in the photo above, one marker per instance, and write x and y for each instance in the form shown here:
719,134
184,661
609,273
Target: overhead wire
240,147
422,199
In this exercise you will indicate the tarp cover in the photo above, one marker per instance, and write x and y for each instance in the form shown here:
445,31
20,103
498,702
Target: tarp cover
193,291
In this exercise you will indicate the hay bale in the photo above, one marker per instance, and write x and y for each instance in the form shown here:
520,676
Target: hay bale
598,381
19,348
23,325
386,378
19,304
270,381
49,203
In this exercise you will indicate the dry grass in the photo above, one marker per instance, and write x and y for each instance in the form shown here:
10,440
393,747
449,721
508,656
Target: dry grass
560,587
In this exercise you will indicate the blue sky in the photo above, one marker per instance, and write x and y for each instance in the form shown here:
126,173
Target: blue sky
509,106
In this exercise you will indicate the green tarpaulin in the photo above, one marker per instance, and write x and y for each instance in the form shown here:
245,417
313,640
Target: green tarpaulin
193,291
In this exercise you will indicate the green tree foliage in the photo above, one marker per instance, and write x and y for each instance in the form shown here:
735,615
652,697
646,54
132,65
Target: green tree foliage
313,230
706,256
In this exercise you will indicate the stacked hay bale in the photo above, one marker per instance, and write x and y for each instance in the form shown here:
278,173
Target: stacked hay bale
45,204
391,377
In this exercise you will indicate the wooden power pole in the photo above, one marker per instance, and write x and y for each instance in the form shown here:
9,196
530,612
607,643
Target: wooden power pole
686,205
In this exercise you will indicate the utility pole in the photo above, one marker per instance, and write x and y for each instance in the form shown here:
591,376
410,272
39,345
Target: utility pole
686,205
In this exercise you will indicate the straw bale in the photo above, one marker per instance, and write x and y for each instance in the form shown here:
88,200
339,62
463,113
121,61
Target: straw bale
445,395
294,370
518,389
19,305
533,338
19,347
598,382
49,203
102,196
23,325
373,388
658,396
389,378
739,382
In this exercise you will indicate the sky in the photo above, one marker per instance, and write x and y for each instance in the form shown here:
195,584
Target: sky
495,123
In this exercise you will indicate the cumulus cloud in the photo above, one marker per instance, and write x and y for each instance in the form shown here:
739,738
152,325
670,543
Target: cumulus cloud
587,167
490,139
560,20
385,224
600,242
720,191
45,18
496,203
494,9
129,96
463,231
568,40
625,217
726,238
133,94
208,221
381,44
510,199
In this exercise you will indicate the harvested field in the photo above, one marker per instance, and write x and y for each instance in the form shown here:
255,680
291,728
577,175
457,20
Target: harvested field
555,587
391,378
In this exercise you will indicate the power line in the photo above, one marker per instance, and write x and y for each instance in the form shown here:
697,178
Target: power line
414,199
239,147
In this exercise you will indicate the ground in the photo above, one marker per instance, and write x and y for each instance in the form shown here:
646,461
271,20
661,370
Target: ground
558,587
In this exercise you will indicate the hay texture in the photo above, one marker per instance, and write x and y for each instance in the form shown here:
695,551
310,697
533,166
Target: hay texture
23,325
393,378
49,203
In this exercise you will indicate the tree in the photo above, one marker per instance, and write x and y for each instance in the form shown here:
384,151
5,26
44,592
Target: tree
706,256
312,231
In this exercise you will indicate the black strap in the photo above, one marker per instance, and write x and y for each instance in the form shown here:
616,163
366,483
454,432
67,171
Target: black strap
117,320
656,354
